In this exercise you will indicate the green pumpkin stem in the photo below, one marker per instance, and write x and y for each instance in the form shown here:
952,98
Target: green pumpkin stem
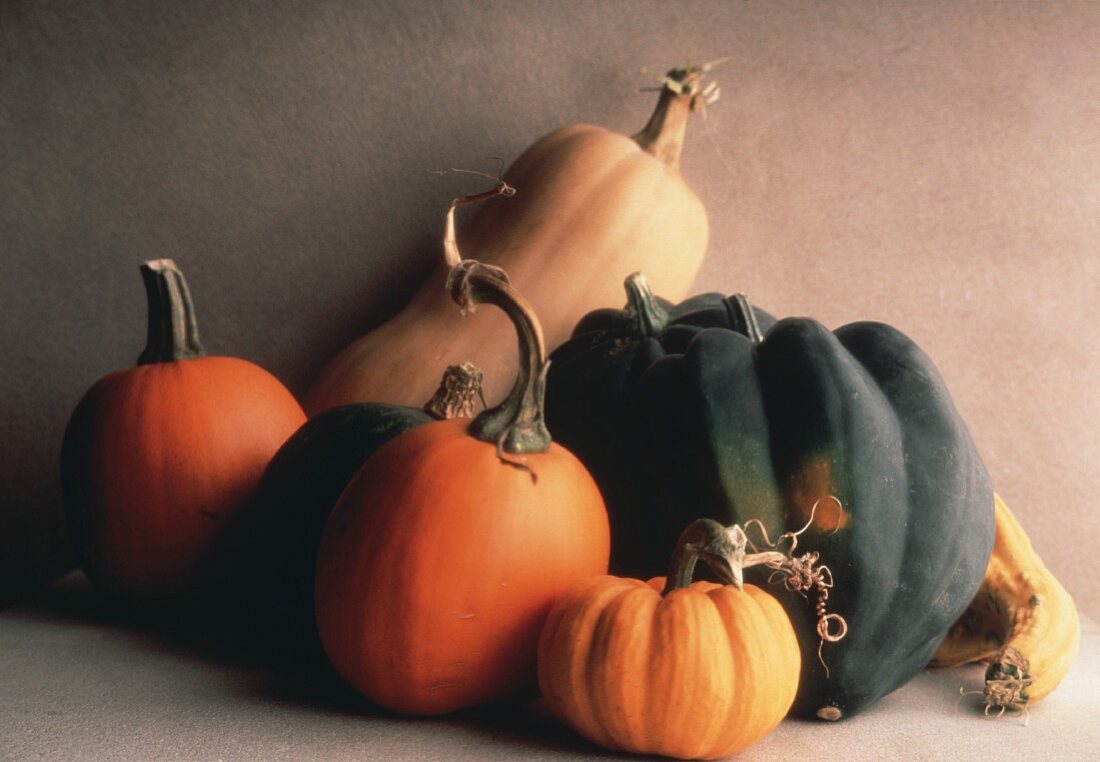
516,426
681,93
650,316
458,392
743,317
173,332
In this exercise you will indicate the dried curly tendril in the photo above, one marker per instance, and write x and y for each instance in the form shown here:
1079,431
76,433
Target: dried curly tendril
801,574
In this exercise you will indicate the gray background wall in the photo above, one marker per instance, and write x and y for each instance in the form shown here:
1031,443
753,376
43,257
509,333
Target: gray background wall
932,164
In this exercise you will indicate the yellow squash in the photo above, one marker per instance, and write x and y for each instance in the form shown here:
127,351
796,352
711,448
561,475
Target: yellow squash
1022,621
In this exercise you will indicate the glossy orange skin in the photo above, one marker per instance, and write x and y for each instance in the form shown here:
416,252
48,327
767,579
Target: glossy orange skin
591,207
699,674
439,563
155,462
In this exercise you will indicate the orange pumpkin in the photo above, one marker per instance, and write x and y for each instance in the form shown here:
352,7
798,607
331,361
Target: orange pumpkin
695,671
442,557
593,205
158,458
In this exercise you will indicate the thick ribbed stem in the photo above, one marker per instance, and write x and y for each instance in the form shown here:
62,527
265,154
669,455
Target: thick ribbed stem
173,332
650,317
516,425
743,318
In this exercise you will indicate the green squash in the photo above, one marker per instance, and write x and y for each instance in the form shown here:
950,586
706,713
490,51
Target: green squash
727,422
586,407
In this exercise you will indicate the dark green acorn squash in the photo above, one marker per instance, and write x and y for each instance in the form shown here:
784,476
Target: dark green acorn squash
304,479
699,415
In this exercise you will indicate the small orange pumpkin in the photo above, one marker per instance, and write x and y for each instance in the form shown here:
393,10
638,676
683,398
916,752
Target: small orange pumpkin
695,671
157,459
444,554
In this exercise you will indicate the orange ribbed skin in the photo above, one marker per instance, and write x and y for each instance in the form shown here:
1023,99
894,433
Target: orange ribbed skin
439,564
701,673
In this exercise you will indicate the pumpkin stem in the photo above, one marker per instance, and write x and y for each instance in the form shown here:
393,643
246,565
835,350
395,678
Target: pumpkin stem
650,317
743,317
721,548
173,332
682,93
516,425
459,390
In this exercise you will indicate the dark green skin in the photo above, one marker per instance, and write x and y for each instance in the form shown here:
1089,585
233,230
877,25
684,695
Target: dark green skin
725,427
588,382
298,491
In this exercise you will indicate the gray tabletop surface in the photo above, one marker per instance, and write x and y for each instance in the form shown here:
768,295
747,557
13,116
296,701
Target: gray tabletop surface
80,683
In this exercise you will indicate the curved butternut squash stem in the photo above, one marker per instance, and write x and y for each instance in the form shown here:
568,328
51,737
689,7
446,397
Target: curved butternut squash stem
516,426
450,240
459,390
682,93
173,331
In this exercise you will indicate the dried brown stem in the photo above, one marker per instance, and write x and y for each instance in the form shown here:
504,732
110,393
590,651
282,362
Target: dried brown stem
459,390
801,574
450,240
682,93
1007,680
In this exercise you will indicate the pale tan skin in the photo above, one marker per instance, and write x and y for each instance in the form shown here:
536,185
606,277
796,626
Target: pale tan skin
591,207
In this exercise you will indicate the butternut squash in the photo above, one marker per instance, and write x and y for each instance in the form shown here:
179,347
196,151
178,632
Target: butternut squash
1022,621
591,206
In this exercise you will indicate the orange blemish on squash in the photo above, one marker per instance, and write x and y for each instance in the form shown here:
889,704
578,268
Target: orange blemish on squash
813,497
